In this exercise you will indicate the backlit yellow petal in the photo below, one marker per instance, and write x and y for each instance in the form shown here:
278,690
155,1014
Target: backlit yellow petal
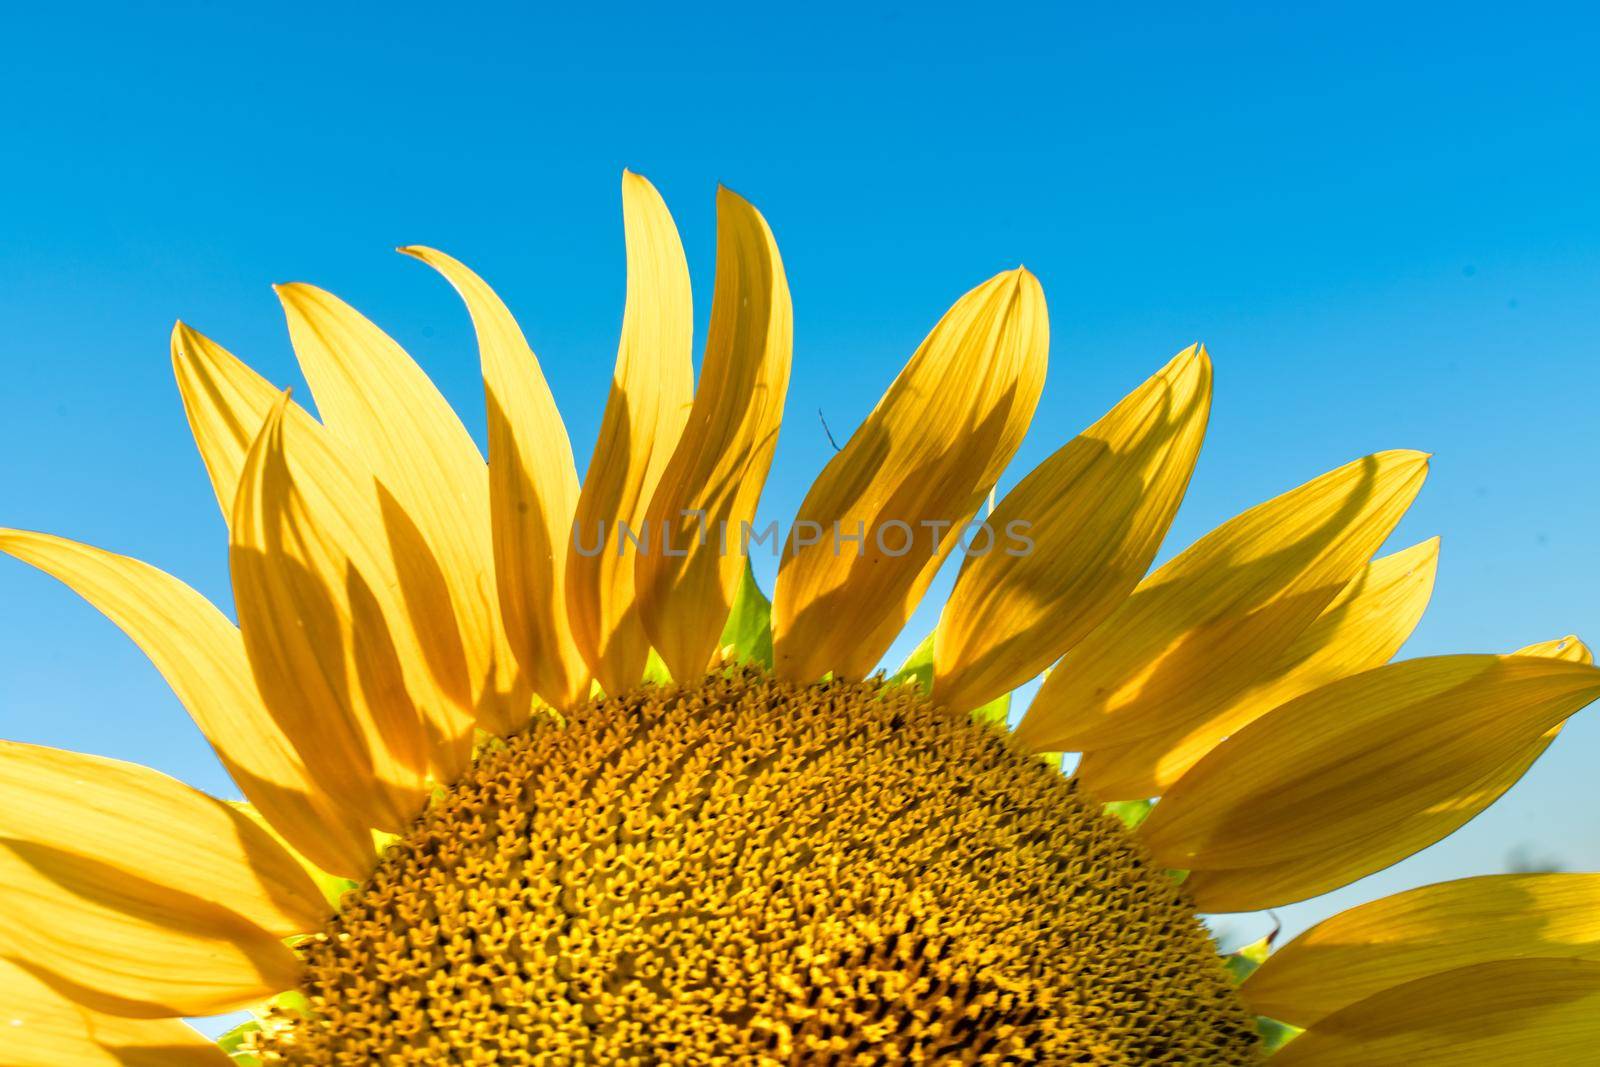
707,495
1358,774
1426,931
533,491
651,392
907,480
1094,514
1534,1012
374,398
40,1028
226,402
1363,628
146,826
202,657
1203,627
326,636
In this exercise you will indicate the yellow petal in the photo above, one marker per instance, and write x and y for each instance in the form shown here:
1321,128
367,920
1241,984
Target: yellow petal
135,895
908,480
147,826
1363,628
686,581
1206,625
533,491
202,657
1423,932
226,402
41,1028
1358,774
1094,514
376,400
1534,1012
326,636
651,392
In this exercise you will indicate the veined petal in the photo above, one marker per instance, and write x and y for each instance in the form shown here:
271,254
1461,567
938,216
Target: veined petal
1203,627
148,827
1363,628
686,580
325,634
1423,932
225,402
1533,1011
533,491
651,393
378,402
907,480
202,657
44,1029
1095,514
1354,776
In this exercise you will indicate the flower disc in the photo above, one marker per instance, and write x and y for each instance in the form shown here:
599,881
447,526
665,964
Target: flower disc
747,871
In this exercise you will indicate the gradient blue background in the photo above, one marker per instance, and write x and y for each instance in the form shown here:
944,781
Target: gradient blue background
1383,224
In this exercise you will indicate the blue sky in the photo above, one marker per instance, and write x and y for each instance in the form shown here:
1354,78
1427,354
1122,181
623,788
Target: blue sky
1383,224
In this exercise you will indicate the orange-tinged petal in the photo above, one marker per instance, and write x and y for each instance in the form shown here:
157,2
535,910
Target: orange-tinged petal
1202,628
533,491
651,392
378,402
202,657
1094,515
43,1029
148,827
1354,776
1363,628
1536,1012
907,480
687,579
1423,932
326,636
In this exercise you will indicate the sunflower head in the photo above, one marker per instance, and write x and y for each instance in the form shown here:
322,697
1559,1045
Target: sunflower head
533,772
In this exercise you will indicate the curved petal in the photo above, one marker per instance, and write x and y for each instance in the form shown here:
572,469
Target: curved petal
907,480
651,393
148,827
1202,628
1535,1011
43,1029
1363,628
1423,932
1094,515
1352,777
327,641
202,657
686,581
375,399
533,491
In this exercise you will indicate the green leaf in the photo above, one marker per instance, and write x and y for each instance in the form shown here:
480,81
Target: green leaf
748,631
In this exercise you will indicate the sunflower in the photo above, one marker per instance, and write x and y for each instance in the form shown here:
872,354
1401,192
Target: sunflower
534,773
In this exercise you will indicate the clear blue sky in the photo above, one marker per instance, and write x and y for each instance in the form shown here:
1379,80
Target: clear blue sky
1384,224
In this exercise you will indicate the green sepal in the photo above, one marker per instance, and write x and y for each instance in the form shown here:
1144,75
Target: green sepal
1274,1034
655,669
918,667
747,635
1131,812
1242,963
